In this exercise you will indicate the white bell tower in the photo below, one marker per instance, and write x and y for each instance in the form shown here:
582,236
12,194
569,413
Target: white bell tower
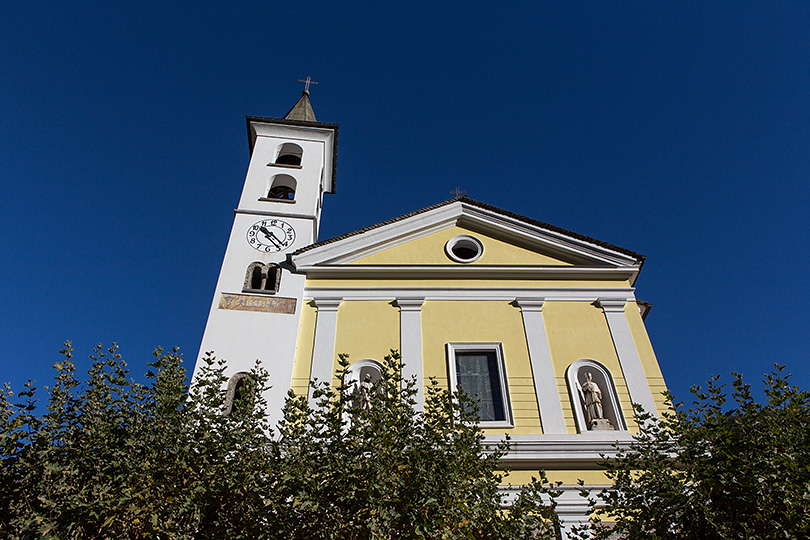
257,302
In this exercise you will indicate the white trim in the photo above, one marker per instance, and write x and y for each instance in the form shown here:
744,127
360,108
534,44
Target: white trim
355,247
545,383
633,371
359,271
273,212
360,245
469,216
497,348
501,224
609,397
323,349
410,343
562,450
507,294
404,238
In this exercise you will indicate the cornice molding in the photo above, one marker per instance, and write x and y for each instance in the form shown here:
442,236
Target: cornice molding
497,294
472,271
585,451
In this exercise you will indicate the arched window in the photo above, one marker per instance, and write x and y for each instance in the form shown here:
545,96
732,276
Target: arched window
262,278
237,393
289,154
282,187
593,395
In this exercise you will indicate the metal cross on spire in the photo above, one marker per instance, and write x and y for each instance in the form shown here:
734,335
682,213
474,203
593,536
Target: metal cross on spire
307,82
458,192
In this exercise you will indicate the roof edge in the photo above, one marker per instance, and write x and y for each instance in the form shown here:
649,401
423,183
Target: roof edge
466,200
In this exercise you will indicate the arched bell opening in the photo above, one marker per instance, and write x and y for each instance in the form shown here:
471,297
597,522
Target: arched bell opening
282,187
289,154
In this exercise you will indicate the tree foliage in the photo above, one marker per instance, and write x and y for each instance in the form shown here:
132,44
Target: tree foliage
365,464
716,469
113,458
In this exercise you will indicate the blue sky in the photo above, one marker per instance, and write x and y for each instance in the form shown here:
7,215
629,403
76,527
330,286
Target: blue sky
678,131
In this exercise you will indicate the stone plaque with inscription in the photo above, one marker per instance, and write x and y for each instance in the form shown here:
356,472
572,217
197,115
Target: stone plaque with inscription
250,302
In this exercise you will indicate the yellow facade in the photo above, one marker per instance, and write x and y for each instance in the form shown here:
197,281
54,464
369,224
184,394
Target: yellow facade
368,329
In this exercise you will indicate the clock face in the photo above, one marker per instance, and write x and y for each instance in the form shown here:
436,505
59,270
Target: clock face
270,235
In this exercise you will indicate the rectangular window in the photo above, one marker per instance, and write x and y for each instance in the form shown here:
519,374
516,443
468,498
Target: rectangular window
477,368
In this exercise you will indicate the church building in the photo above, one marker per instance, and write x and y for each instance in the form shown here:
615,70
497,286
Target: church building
542,324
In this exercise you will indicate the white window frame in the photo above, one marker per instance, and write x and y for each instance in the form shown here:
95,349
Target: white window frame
497,348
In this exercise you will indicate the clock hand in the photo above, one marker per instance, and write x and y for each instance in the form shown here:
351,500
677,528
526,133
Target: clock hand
270,236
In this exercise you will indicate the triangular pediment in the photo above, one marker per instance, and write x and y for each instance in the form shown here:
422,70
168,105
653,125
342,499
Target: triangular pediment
420,240
431,249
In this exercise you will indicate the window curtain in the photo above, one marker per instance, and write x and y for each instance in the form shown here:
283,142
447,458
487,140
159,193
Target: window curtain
478,375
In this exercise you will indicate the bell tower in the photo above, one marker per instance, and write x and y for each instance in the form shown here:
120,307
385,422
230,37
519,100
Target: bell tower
256,308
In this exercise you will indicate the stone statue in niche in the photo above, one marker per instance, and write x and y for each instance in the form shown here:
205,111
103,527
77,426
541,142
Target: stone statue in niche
593,405
365,393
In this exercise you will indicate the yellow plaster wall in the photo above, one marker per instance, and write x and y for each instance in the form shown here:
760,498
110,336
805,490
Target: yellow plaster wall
579,330
429,250
575,330
303,349
366,329
566,476
483,321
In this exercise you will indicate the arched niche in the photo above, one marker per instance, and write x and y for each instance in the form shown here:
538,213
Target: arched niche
289,154
282,187
576,375
360,377
358,371
237,386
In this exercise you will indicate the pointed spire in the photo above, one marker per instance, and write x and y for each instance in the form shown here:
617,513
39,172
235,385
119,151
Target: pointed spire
303,109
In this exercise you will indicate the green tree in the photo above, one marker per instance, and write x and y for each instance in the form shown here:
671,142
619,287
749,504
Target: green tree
365,464
113,458
715,469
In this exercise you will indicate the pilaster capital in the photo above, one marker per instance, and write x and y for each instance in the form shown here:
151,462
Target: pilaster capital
612,304
530,304
327,304
410,304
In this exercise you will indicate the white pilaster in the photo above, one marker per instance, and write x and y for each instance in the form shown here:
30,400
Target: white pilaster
410,343
545,383
626,350
572,510
323,350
